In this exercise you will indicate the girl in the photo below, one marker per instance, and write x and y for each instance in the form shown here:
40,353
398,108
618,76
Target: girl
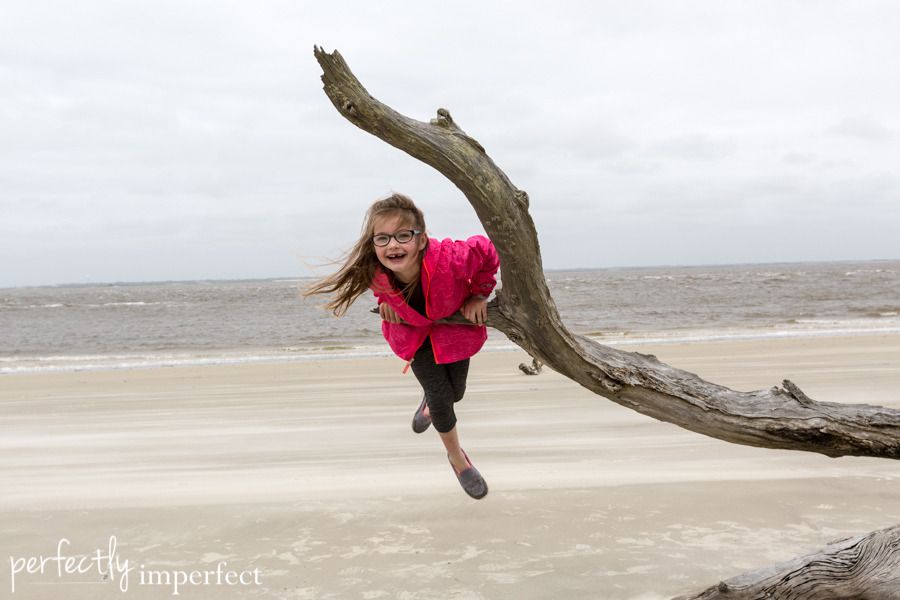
418,281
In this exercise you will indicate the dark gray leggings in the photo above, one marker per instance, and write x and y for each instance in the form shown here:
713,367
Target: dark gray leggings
443,384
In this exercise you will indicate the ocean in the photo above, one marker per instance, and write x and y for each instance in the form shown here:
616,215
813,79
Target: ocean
129,325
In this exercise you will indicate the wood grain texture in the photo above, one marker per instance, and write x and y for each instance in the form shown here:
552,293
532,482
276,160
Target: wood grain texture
861,568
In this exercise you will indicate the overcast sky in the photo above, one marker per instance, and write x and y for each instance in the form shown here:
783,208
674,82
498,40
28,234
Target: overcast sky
192,140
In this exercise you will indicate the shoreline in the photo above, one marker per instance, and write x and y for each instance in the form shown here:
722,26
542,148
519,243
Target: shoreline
127,362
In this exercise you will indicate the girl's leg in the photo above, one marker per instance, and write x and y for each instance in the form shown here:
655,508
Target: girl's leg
457,373
441,392
454,451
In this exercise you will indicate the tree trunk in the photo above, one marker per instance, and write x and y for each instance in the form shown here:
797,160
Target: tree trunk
780,417
863,568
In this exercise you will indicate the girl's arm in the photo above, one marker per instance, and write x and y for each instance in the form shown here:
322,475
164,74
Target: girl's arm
476,259
483,281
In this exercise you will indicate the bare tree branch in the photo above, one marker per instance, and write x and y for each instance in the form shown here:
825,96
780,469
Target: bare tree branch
780,417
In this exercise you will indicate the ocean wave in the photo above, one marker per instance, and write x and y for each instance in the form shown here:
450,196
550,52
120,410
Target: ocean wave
54,364
866,272
50,305
85,305
739,335
126,304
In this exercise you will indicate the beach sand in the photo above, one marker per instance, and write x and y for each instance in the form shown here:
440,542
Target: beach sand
310,473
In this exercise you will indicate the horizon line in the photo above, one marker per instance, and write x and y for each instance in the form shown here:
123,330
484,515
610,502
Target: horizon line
546,270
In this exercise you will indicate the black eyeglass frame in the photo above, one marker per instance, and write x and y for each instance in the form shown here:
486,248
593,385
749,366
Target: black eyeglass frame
394,235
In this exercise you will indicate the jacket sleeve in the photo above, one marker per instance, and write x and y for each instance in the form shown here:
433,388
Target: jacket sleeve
378,289
476,259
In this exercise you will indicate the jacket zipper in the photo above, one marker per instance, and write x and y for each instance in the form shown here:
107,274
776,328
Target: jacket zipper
426,289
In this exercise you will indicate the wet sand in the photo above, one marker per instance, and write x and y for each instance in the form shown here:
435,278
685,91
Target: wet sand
310,473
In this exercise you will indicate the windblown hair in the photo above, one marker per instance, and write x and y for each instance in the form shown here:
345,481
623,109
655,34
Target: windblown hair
360,262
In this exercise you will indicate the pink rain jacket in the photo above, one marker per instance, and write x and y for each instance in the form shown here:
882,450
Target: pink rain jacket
452,271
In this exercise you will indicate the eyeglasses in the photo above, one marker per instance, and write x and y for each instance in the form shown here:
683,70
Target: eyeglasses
403,236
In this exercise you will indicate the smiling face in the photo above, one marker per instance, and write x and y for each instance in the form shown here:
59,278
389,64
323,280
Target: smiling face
402,259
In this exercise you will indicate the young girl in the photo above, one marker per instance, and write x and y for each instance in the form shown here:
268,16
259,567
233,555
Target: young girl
418,281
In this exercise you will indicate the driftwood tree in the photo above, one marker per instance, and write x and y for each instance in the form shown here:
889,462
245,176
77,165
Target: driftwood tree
781,417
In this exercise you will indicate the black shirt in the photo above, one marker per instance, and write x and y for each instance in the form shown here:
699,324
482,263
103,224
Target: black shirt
417,302
417,299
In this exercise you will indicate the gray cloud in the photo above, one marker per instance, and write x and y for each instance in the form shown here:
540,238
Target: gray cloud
193,140
862,128
695,147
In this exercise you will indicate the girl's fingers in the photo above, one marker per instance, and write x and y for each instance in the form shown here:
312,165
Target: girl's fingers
388,314
475,314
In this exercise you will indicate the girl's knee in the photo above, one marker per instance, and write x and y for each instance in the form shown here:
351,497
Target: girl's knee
442,416
444,424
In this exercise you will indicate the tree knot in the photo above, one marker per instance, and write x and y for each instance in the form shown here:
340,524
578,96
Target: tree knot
522,198
796,393
443,118
607,383
533,369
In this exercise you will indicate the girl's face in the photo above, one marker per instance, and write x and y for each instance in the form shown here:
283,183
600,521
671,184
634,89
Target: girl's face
402,259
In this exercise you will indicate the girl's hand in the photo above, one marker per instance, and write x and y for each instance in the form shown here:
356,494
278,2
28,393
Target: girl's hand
475,310
388,314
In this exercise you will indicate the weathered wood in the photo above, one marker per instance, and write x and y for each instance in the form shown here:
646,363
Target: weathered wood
533,369
862,568
780,417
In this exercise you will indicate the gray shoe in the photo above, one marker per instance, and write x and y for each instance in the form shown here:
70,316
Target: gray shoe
421,421
470,479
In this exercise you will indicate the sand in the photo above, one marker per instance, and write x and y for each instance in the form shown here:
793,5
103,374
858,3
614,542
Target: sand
306,480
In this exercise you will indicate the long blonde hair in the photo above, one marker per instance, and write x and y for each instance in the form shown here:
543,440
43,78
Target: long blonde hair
360,262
